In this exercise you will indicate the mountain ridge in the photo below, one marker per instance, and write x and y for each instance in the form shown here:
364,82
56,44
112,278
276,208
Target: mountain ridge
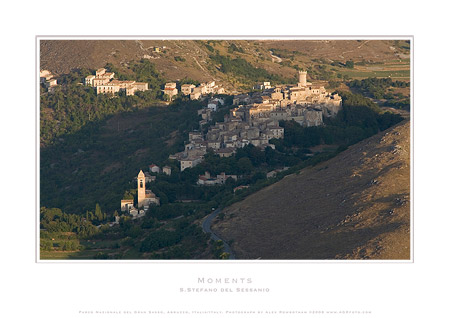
179,59
353,206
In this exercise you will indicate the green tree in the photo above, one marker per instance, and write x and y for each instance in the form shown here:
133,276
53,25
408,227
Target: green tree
98,213
245,165
349,64
224,255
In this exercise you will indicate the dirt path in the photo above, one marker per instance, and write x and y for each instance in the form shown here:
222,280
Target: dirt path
274,57
142,46
354,50
199,64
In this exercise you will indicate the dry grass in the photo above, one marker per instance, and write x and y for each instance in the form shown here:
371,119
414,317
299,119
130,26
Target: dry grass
62,56
354,206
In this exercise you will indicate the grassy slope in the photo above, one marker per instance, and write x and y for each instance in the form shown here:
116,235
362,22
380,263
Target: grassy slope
62,56
337,209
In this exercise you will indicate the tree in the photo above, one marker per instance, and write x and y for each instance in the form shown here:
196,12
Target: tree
134,231
46,245
98,213
349,64
245,165
225,255
89,216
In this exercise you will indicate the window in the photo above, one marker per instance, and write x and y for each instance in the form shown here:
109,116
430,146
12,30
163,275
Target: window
141,185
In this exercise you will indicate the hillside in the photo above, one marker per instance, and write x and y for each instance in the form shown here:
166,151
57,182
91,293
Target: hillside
354,206
178,59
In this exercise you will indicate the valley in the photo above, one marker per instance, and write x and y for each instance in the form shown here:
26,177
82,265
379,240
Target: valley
286,171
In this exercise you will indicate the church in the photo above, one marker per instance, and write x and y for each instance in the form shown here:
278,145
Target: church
145,197
144,200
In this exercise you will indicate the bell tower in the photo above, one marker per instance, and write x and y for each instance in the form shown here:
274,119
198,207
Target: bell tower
141,189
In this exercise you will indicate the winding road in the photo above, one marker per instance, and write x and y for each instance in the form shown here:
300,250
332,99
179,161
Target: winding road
206,226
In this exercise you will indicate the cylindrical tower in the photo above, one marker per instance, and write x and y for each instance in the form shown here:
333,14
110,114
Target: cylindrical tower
302,78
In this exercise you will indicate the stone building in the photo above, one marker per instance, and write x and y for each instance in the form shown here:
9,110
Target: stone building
186,89
89,80
154,168
262,86
208,180
203,89
196,93
148,177
170,89
104,83
145,197
107,88
47,78
213,105
51,82
167,170
256,119
126,205
190,162
45,75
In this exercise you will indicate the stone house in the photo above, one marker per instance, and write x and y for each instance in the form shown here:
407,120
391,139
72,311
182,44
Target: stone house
170,92
100,72
186,89
213,105
213,144
88,81
105,84
100,81
45,75
208,180
222,178
167,170
154,168
126,205
51,82
195,135
190,162
196,94
149,178
275,132
226,152
107,88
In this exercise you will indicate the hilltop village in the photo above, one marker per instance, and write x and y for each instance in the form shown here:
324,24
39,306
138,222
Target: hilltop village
104,83
256,119
253,121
